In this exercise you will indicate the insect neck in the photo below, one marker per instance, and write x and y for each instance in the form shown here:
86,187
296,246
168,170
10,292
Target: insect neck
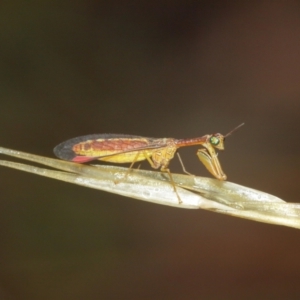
193,141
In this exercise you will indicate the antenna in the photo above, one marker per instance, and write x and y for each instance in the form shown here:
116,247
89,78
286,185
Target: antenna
233,130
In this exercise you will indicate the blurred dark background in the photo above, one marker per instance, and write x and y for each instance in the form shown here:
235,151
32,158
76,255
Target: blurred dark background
150,68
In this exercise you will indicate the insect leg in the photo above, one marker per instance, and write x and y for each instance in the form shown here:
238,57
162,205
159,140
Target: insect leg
164,169
210,160
182,165
150,161
129,169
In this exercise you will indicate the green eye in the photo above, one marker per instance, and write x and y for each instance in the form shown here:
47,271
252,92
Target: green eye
214,140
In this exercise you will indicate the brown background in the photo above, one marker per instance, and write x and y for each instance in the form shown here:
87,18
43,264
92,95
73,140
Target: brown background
151,68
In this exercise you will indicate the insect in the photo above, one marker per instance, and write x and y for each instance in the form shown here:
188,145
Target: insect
120,148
